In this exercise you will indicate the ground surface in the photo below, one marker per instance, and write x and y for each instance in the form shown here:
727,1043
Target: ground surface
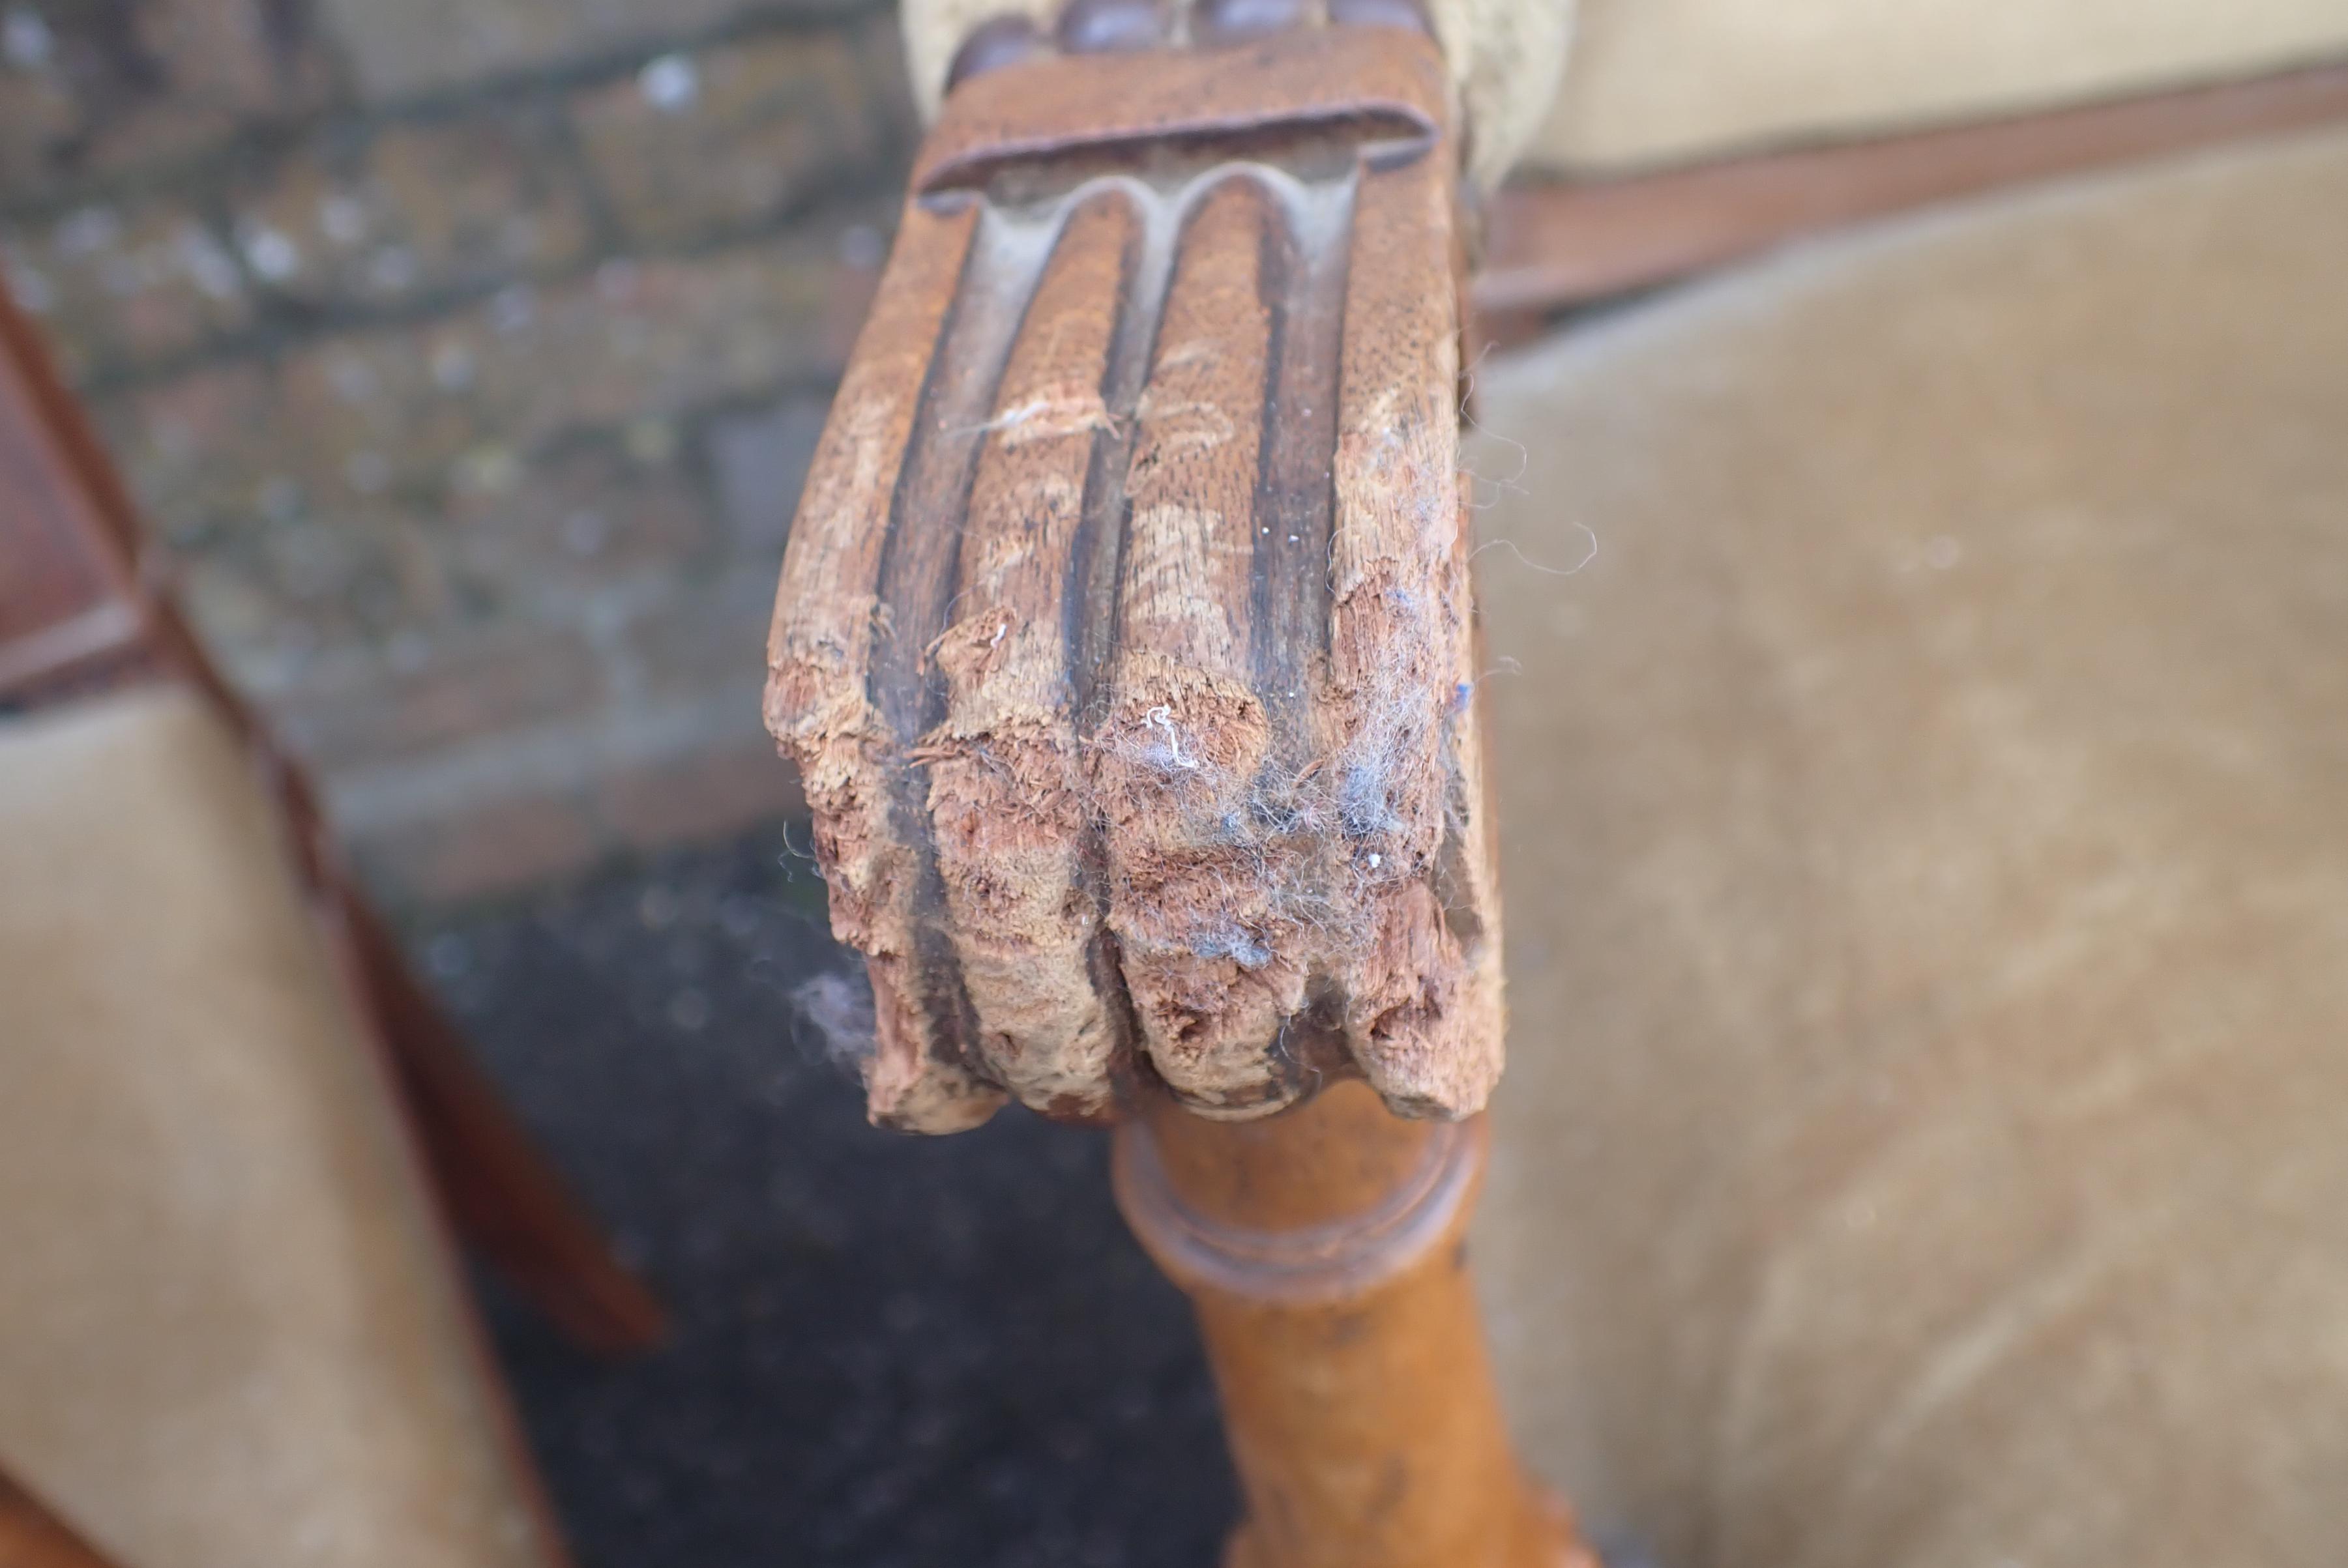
889,1353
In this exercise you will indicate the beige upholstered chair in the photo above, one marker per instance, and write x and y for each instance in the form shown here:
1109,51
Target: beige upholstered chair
1923,660
231,1335
229,1332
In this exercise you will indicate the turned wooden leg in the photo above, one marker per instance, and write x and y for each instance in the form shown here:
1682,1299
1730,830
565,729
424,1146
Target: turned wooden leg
1325,1251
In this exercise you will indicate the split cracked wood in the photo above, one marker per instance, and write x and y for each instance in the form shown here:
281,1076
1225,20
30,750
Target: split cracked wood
1124,637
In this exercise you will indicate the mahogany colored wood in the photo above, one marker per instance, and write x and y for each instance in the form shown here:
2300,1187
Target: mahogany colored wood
31,1536
83,607
1555,243
1122,112
72,608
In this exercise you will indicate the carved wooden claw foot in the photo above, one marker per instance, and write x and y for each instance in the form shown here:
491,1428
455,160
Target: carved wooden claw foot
1124,638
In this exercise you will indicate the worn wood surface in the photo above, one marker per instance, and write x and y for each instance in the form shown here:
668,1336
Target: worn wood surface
1323,1251
1124,639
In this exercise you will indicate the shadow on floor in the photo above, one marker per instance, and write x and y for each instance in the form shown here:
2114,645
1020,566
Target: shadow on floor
890,1352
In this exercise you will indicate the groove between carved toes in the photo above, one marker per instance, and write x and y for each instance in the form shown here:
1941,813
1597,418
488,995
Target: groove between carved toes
1124,638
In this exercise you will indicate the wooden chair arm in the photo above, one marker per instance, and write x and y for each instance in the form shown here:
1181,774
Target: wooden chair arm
1124,639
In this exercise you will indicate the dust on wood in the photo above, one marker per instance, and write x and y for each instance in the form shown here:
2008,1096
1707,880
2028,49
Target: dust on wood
1124,637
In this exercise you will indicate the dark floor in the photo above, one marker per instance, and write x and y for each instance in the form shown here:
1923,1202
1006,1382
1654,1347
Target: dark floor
890,1352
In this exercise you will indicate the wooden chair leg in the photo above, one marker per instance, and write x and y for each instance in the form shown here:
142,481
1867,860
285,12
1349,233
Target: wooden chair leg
502,1195
1324,1250
33,1537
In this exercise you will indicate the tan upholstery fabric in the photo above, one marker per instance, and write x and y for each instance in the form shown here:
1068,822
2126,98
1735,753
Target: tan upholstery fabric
1925,1140
1505,54
1670,80
228,1336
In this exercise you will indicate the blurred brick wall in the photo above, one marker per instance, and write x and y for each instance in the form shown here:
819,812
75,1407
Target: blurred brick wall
465,356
